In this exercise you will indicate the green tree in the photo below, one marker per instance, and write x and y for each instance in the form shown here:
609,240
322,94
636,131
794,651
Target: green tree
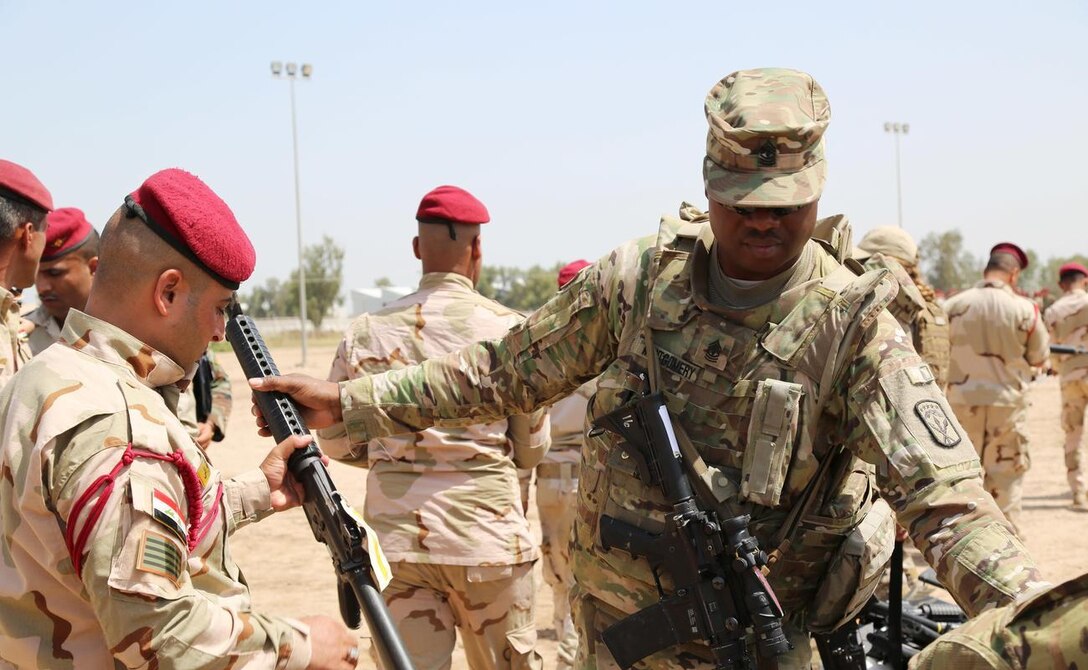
268,299
517,288
383,282
945,264
324,276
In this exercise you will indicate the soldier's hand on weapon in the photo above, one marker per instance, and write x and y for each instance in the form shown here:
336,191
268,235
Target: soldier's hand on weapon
334,646
318,400
286,492
901,533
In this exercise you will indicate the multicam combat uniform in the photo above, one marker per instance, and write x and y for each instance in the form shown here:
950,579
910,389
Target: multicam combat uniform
1067,320
920,316
221,402
15,352
46,331
446,503
997,338
114,524
747,392
1049,630
557,505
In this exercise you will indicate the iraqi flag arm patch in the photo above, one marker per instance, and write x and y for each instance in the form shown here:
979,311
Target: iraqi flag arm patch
167,513
160,556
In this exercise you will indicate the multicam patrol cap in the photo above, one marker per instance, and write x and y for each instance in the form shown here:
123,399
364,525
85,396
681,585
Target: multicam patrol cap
765,143
890,241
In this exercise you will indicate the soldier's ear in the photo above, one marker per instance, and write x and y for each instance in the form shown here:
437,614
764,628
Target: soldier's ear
477,248
415,247
92,265
165,297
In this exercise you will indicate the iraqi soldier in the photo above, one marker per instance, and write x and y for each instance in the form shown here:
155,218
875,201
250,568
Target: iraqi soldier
205,405
1048,631
24,203
915,306
998,343
113,524
557,500
781,370
1067,321
65,274
446,504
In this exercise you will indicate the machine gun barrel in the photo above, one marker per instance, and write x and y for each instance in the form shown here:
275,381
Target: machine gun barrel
326,510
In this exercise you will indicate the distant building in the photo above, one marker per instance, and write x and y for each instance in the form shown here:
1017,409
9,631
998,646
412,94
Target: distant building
373,299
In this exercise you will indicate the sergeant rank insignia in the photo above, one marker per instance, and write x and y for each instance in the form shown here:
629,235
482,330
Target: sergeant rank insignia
937,422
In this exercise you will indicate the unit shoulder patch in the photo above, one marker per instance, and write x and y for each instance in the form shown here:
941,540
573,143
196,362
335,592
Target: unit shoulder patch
937,422
159,556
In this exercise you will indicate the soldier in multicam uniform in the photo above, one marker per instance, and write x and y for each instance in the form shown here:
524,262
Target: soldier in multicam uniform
998,340
446,504
557,500
1067,321
65,274
24,203
1044,632
915,306
113,524
770,355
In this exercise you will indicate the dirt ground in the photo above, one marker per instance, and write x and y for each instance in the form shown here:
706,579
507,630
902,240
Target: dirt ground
291,575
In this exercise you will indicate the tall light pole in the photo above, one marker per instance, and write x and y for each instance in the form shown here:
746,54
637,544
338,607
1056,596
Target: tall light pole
897,129
292,70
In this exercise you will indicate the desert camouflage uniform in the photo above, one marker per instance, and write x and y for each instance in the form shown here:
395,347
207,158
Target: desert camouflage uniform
920,316
1049,630
733,379
96,467
446,504
997,338
221,402
15,352
46,331
557,504
1067,320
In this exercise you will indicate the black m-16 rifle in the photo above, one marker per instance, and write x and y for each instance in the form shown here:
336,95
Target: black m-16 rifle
1067,349
328,513
719,591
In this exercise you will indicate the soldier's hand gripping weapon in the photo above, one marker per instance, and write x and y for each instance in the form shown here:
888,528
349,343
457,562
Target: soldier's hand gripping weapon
718,590
330,516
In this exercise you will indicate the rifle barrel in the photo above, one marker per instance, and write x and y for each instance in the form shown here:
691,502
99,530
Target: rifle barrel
343,537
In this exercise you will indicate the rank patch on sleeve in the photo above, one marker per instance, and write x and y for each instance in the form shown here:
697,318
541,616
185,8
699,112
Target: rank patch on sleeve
937,422
159,556
167,512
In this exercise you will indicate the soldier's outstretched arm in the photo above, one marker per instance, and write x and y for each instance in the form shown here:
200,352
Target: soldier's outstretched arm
334,439
565,343
899,420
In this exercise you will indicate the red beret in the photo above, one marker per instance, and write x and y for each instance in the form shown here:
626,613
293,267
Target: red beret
68,230
190,217
19,183
569,271
1072,267
1010,248
449,204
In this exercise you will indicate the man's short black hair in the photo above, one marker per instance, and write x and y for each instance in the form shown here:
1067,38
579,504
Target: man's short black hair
14,214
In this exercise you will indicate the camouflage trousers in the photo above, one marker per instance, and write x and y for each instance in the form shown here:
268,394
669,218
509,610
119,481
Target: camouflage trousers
1074,401
592,617
557,502
492,606
998,433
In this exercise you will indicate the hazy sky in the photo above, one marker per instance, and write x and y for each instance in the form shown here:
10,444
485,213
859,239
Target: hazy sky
577,123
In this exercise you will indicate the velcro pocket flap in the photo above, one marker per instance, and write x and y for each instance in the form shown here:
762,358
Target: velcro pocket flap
771,435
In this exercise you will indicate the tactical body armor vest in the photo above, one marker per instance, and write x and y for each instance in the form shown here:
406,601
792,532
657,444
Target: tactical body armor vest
748,389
